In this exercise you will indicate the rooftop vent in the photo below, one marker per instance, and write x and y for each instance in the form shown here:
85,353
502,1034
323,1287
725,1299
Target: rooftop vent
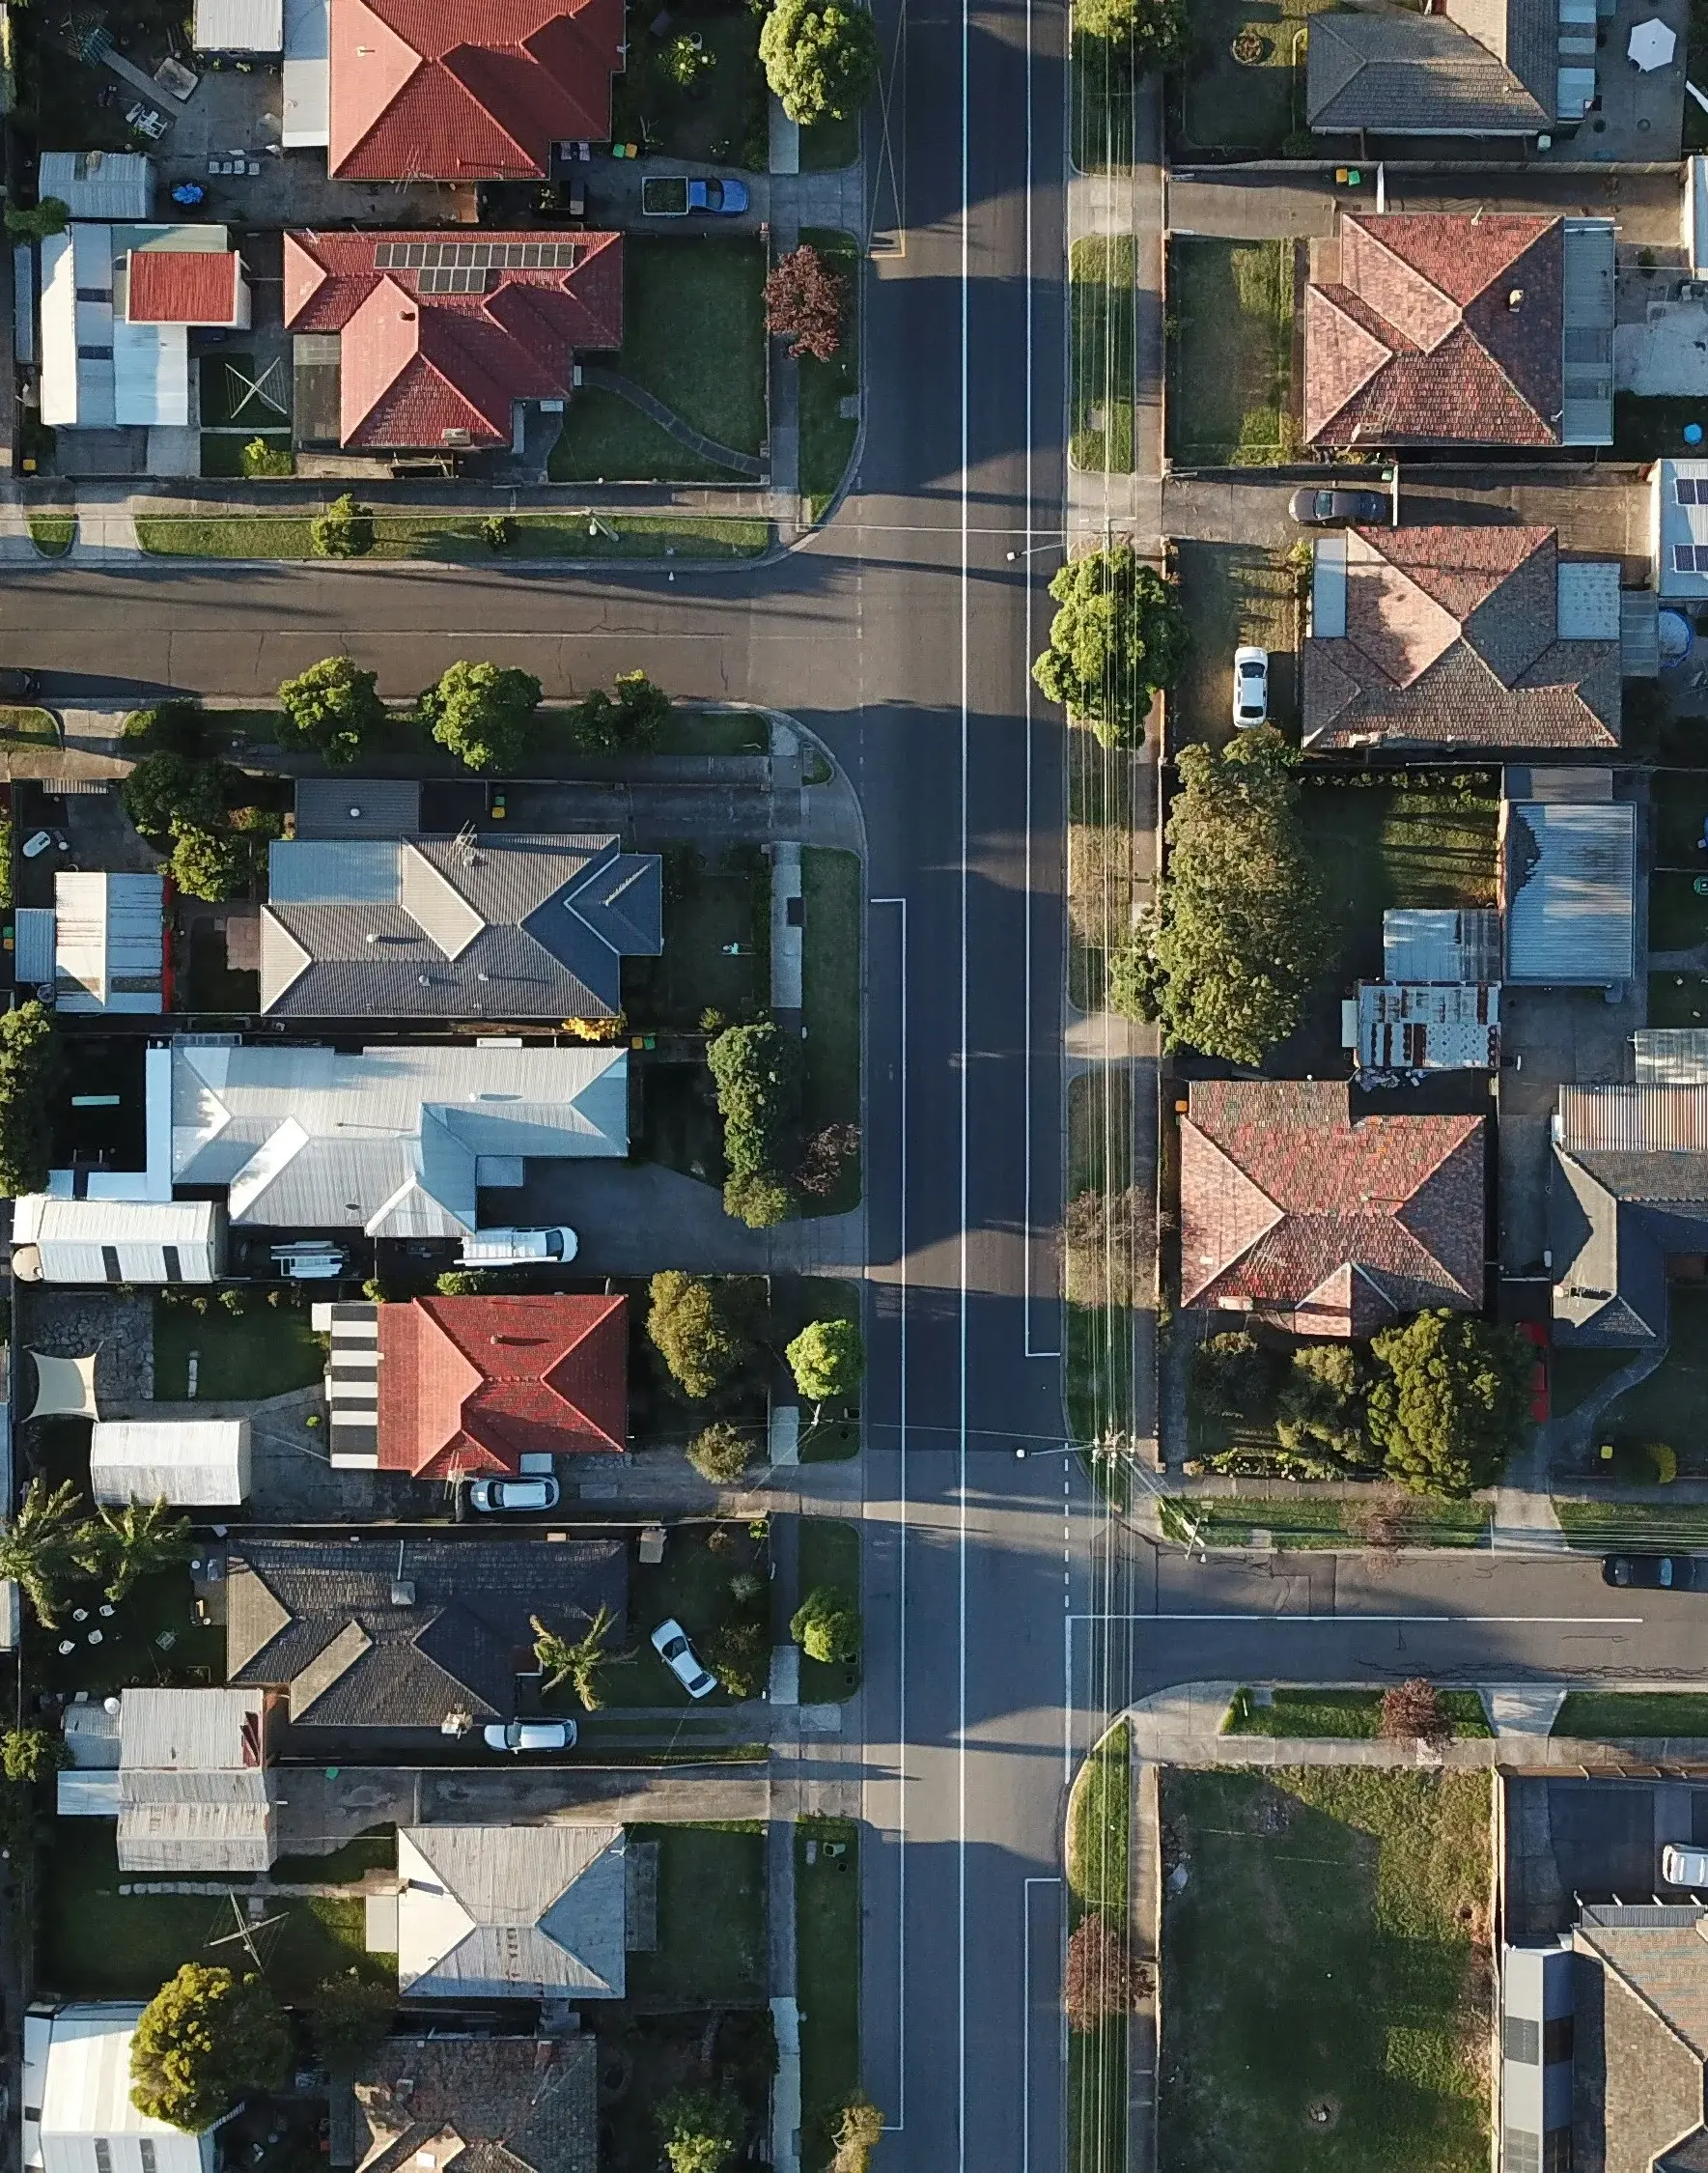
1515,297
403,1592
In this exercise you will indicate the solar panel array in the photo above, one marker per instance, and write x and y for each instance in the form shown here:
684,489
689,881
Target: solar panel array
1690,559
1690,490
476,256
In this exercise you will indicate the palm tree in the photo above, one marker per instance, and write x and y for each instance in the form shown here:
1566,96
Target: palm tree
40,1549
576,1660
128,1544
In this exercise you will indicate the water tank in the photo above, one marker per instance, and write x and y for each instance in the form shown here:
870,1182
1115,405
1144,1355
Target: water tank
1676,636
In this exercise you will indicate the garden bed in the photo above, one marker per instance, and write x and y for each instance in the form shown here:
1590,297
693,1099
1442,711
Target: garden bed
1344,1715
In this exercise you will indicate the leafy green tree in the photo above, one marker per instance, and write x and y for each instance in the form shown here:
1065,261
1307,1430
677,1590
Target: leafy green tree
207,2038
740,1657
40,1549
125,1545
1245,932
758,1198
210,863
1449,1402
827,1624
828,1359
1142,35
333,707
757,1072
630,721
1230,1375
821,58
344,530
484,712
1120,635
1320,1410
36,222
32,1754
351,2016
30,1063
702,2130
699,1328
577,1661
721,1452
168,787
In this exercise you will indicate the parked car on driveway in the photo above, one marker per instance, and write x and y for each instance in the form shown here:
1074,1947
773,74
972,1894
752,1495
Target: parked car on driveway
1683,1867
529,1735
670,1640
669,196
1650,1572
1250,689
515,1248
1312,508
497,1496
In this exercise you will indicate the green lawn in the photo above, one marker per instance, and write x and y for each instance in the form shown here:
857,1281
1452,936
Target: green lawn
1315,1520
426,536
688,731
1101,352
1100,1275
53,533
827,1977
1098,1811
692,1584
827,146
830,1555
1672,1404
1101,887
1100,101
1230,356
605,439
27,727
712,1920
150,1637
267,1352
1230,105
827,437
1600,1715
832,1003
1573,1374
1680,801
1385,845
1233,593
1328,1951
1678,1000
830,1297
96,1944
708,906
377,1849
693,337
1343,1715
1678,917
1598,1526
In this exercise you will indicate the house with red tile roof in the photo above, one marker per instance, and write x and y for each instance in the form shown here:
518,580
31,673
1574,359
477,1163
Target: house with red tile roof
1460,637
438,90
469,1386
440,337
1432,329
1296,1212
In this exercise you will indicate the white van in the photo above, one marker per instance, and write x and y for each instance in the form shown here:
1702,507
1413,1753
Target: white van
517,1248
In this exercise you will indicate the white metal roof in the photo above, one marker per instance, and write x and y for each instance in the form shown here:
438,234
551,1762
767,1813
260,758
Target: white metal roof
239,26
1435,944
1671,1056
1678,528
32,957
85,2097
200,1463
98,185
153,1240
1571,903
108,943
1587,599
99,371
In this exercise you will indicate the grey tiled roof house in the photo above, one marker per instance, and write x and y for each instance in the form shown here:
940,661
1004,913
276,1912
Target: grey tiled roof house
500,2105
1483,67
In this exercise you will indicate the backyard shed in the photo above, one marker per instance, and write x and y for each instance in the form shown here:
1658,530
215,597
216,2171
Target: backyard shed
109,942
239,26
65,1240
98,185
192,1463
78,2117
1568,884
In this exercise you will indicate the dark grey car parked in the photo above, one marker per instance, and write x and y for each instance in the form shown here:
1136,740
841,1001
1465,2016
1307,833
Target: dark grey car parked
1312,508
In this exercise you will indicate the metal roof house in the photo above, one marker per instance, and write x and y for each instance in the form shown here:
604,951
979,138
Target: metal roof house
1568,888
1440,944
117,305
512,1912
486,926
191,1463
100,948
1678,528
182,1771
396,1141
77,2116
57,1238
1627,1205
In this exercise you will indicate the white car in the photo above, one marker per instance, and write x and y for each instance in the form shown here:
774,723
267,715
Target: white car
529,1735
516,1247
1250,689
670,1640
1683,1867
495,1496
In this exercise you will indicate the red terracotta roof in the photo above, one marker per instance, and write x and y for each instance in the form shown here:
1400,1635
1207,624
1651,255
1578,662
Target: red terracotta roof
1411,335
415,364
182,286
467,1385
1291,1210
440,89
1452,639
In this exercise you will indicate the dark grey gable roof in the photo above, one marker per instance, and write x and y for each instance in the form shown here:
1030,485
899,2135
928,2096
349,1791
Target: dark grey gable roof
320,1619
1399,74
496,927
1612,1235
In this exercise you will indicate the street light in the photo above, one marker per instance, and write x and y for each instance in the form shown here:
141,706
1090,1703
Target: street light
1050,543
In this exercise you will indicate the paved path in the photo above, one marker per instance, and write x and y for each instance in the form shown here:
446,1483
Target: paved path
598,379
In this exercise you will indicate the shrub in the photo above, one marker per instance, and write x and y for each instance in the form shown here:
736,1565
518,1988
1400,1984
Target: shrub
497,531
859,2130
1230,1375
36,222
1102,1980
702,2130
827,1625
1411,1712
757,1073
351,2016
721,1452
1320,1410
804,299
32,1754
166,788
29,1070
1449,1402
6,838
740,1657
757,1198
262,459
344,530
178,727
823,1160
700,1328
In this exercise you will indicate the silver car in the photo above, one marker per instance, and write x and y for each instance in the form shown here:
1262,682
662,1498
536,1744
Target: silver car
529,1735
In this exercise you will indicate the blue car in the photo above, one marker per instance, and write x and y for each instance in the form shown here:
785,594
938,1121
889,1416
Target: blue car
729,196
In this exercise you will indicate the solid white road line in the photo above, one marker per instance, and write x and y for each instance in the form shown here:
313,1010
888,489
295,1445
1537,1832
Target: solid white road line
1352,1621
1025,2057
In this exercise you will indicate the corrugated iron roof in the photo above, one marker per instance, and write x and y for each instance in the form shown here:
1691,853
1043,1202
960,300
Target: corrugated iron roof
1428,1027
1642,1119
1671,1056
1570,881
239,26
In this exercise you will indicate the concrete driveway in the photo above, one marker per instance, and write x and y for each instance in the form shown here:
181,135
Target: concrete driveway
1247,206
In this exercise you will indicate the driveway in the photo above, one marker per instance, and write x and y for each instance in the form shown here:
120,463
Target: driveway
320,1809
1591,1840
617,1210
1260,207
